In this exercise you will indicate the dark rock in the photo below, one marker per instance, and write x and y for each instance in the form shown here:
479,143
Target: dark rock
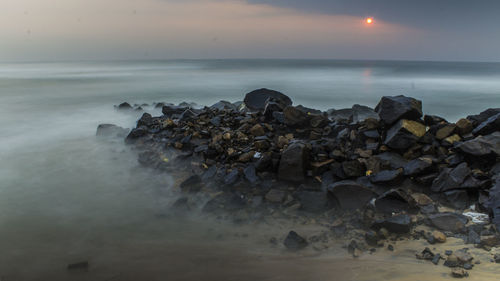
391,109
436,258
493,204
271,106
314,201
135,134
473,237
393,201
192,184
390,160
79,266
449,222
371,238
373,134
146,120
360,113
458,199
216,121
350,195
459,273
464,126
294,241
353,168
418,166
250,175
340,114
387,176
397,224
124,106
256,100
295,117
431,120
232,177
293,163
404,134
181,205
489,126
483,116
426,254
187,115
482,145
169,110
390,247
225,201
275,196
110,130
257,130
451,178
445,131
224,105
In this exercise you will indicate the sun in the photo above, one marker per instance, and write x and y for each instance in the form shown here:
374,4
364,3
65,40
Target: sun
369,20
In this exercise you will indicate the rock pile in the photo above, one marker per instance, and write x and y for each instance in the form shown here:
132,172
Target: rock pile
392,164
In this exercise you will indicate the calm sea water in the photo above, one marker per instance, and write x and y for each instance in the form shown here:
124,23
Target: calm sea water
66,197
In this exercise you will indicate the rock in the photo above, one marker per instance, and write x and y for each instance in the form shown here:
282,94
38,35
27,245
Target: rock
79,266
457,199
387,176
464,126
110,130
360,113
135,134
350,195
391,109
436,258
404,134
390,247
452,261
418,166
483,116
145,120
294,241
393,201
224,105
459,273
232,177
489,126
445,131
293,163
449,222
124,106
426,254
353,168
390,160
272,107
371,238
489,241
250,175
256,100
275,196
314,201
482,145
451,140
431,120
493,204
257,130
340,114
451,178
181,205
295,117
169,110
439,236
192,184
397,224
463,256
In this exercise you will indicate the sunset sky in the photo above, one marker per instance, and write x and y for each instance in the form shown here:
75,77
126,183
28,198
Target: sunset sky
149,29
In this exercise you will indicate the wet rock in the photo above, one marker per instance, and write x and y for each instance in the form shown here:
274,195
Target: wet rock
489,241
451,178
482,145
473,237
397,224
257,130
483,116
256,100
391,109
350,195
489,126
458,199
169,110
314,201
250,175
181,205
340,114
124,106
275,196
418,166
360,113
232,177
404,134
449,222
145,120
135,134
223,105
431,120
390,160
294,241
445,131
293,163
387,176
464,126
393,201
192,184
111,130
353,169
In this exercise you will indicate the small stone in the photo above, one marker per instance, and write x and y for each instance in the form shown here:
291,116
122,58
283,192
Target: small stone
436,258
257,130
294,241
390,247
439,236
459,273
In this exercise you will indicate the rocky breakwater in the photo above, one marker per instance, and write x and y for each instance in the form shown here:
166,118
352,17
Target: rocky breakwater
382,172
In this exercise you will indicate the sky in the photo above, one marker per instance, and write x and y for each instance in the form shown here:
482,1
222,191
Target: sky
442,30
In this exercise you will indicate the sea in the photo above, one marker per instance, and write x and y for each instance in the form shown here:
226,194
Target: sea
69,197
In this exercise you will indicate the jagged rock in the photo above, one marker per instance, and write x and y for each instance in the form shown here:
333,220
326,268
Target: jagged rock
294,241
459,273
257,130
250,175
445,131
293,163
145,120
353,168
426,254
431,120
371,238
482,145
350,195
391,109
397,224
390,160
256,100
169,110
449,222
360,113
224,105
489,126
394,201
457,199
464,126
314,201
418,166
192,184
111,130
483,116
451,178
493,203
232,177
275,196
387,176
135,134
340,114
295,117
404,134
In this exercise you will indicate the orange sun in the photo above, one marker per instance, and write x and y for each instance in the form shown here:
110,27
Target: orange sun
369,20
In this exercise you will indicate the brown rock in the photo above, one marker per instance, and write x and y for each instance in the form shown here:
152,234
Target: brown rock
257,130
445,131
439,236
464,126
459,273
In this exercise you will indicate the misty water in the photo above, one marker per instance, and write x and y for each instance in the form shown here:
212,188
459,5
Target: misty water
66,196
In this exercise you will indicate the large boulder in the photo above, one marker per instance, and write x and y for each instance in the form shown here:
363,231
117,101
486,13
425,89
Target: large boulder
256,100
489,126
350,195
482,145
391,109
404,134
294,163
449,222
